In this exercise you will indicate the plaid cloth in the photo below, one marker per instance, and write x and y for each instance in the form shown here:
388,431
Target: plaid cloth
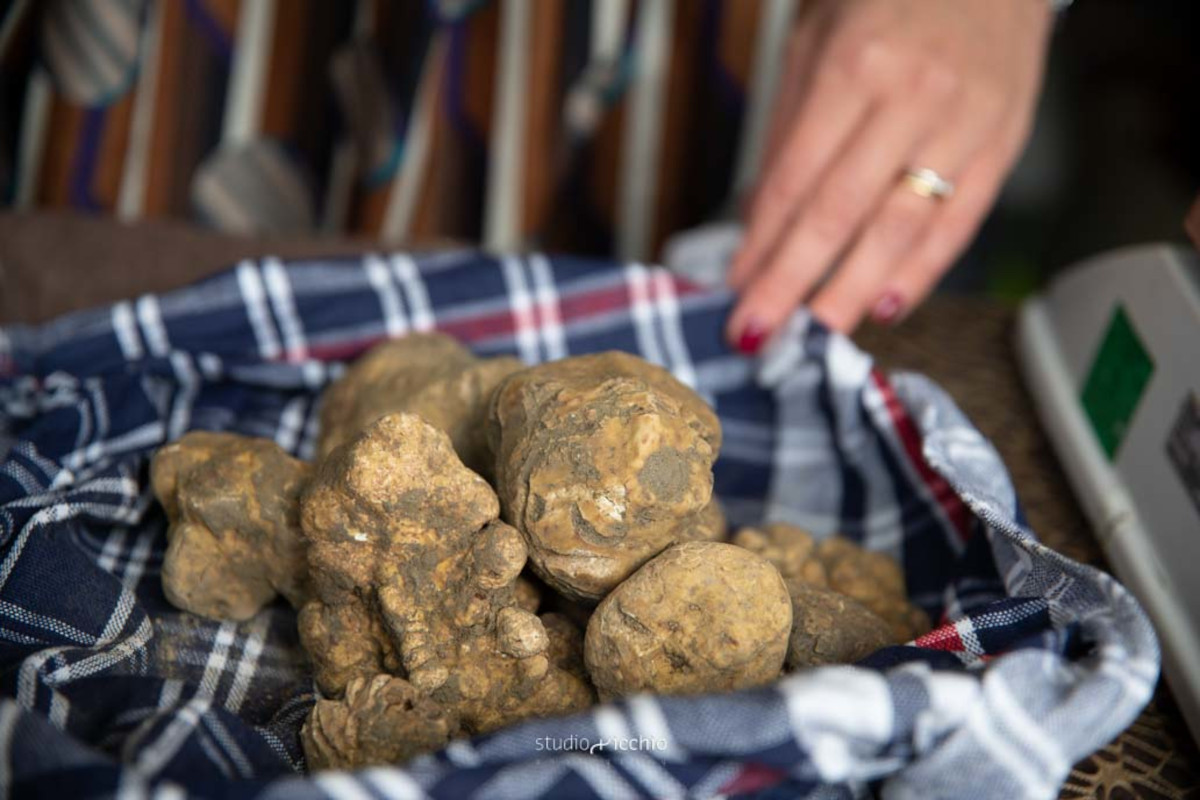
108,689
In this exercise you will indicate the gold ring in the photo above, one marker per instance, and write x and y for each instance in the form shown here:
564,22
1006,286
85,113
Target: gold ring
928,183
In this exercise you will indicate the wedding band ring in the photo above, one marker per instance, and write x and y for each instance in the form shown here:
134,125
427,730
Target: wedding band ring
928,183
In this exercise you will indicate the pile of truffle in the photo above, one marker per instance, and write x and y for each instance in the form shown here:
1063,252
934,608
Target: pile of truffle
479,542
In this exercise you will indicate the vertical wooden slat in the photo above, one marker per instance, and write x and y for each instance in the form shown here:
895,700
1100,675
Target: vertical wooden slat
642,142
544,117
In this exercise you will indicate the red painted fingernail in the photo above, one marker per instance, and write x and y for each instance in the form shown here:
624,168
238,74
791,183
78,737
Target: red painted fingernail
752,338
888,309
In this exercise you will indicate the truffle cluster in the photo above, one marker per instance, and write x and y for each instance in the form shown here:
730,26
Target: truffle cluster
479,542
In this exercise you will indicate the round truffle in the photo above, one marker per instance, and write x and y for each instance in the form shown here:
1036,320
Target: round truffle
700,617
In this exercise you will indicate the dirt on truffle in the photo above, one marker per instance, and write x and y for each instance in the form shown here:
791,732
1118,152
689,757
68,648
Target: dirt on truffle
234,539
414,576
427,374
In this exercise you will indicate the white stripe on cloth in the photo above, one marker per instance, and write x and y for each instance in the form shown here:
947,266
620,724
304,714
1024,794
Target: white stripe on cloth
229,745
60,710
601,777
189,386
86,426
648,717
95,390
848,370
722,773
972,647
169,791
215,756
830,709
462,753
104,659
21,474
147,435
9,714
46,623
876,405
154,332
254,297
312,430
641,310
419,307
950,697
341,786
58,512
393,784
613,727
251,651
291,423
114,545
663,290
1034,781
279,289
1038,743
158,754
125,329
380,278
138,559
521,780
525,330
550,324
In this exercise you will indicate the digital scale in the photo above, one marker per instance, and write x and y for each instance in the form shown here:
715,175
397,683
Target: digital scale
1111,355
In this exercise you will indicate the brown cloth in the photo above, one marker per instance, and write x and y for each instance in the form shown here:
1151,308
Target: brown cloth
53,263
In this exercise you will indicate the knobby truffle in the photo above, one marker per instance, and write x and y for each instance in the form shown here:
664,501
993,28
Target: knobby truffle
234,540
413,575
427,374
601,462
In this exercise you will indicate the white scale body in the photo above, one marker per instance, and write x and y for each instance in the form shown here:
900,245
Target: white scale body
1111,354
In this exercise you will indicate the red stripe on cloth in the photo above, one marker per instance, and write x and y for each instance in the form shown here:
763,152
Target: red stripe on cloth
342,351
910,438
486,326
943,638
501,322
752,778
594,303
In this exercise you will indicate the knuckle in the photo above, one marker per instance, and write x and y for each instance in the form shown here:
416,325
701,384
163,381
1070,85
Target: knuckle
833,215
936,77
988,100
866,59
898,227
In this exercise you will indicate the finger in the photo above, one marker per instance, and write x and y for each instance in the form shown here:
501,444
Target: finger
794,85
947,237
901,222
826,119
959,221
846,195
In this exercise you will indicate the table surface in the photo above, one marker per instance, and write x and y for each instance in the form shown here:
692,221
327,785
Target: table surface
965,344
52,262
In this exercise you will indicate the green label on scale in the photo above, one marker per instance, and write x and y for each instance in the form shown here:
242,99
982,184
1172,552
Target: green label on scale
1116,382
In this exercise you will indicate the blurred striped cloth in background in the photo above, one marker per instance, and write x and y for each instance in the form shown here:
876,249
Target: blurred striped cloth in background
598,126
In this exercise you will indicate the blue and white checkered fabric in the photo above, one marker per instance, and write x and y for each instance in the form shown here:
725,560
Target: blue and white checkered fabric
107,689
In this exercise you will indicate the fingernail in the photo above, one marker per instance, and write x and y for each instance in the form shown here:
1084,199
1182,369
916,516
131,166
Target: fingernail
888,309
752,337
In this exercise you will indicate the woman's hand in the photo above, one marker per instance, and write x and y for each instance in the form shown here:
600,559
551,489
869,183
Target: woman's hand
875,88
